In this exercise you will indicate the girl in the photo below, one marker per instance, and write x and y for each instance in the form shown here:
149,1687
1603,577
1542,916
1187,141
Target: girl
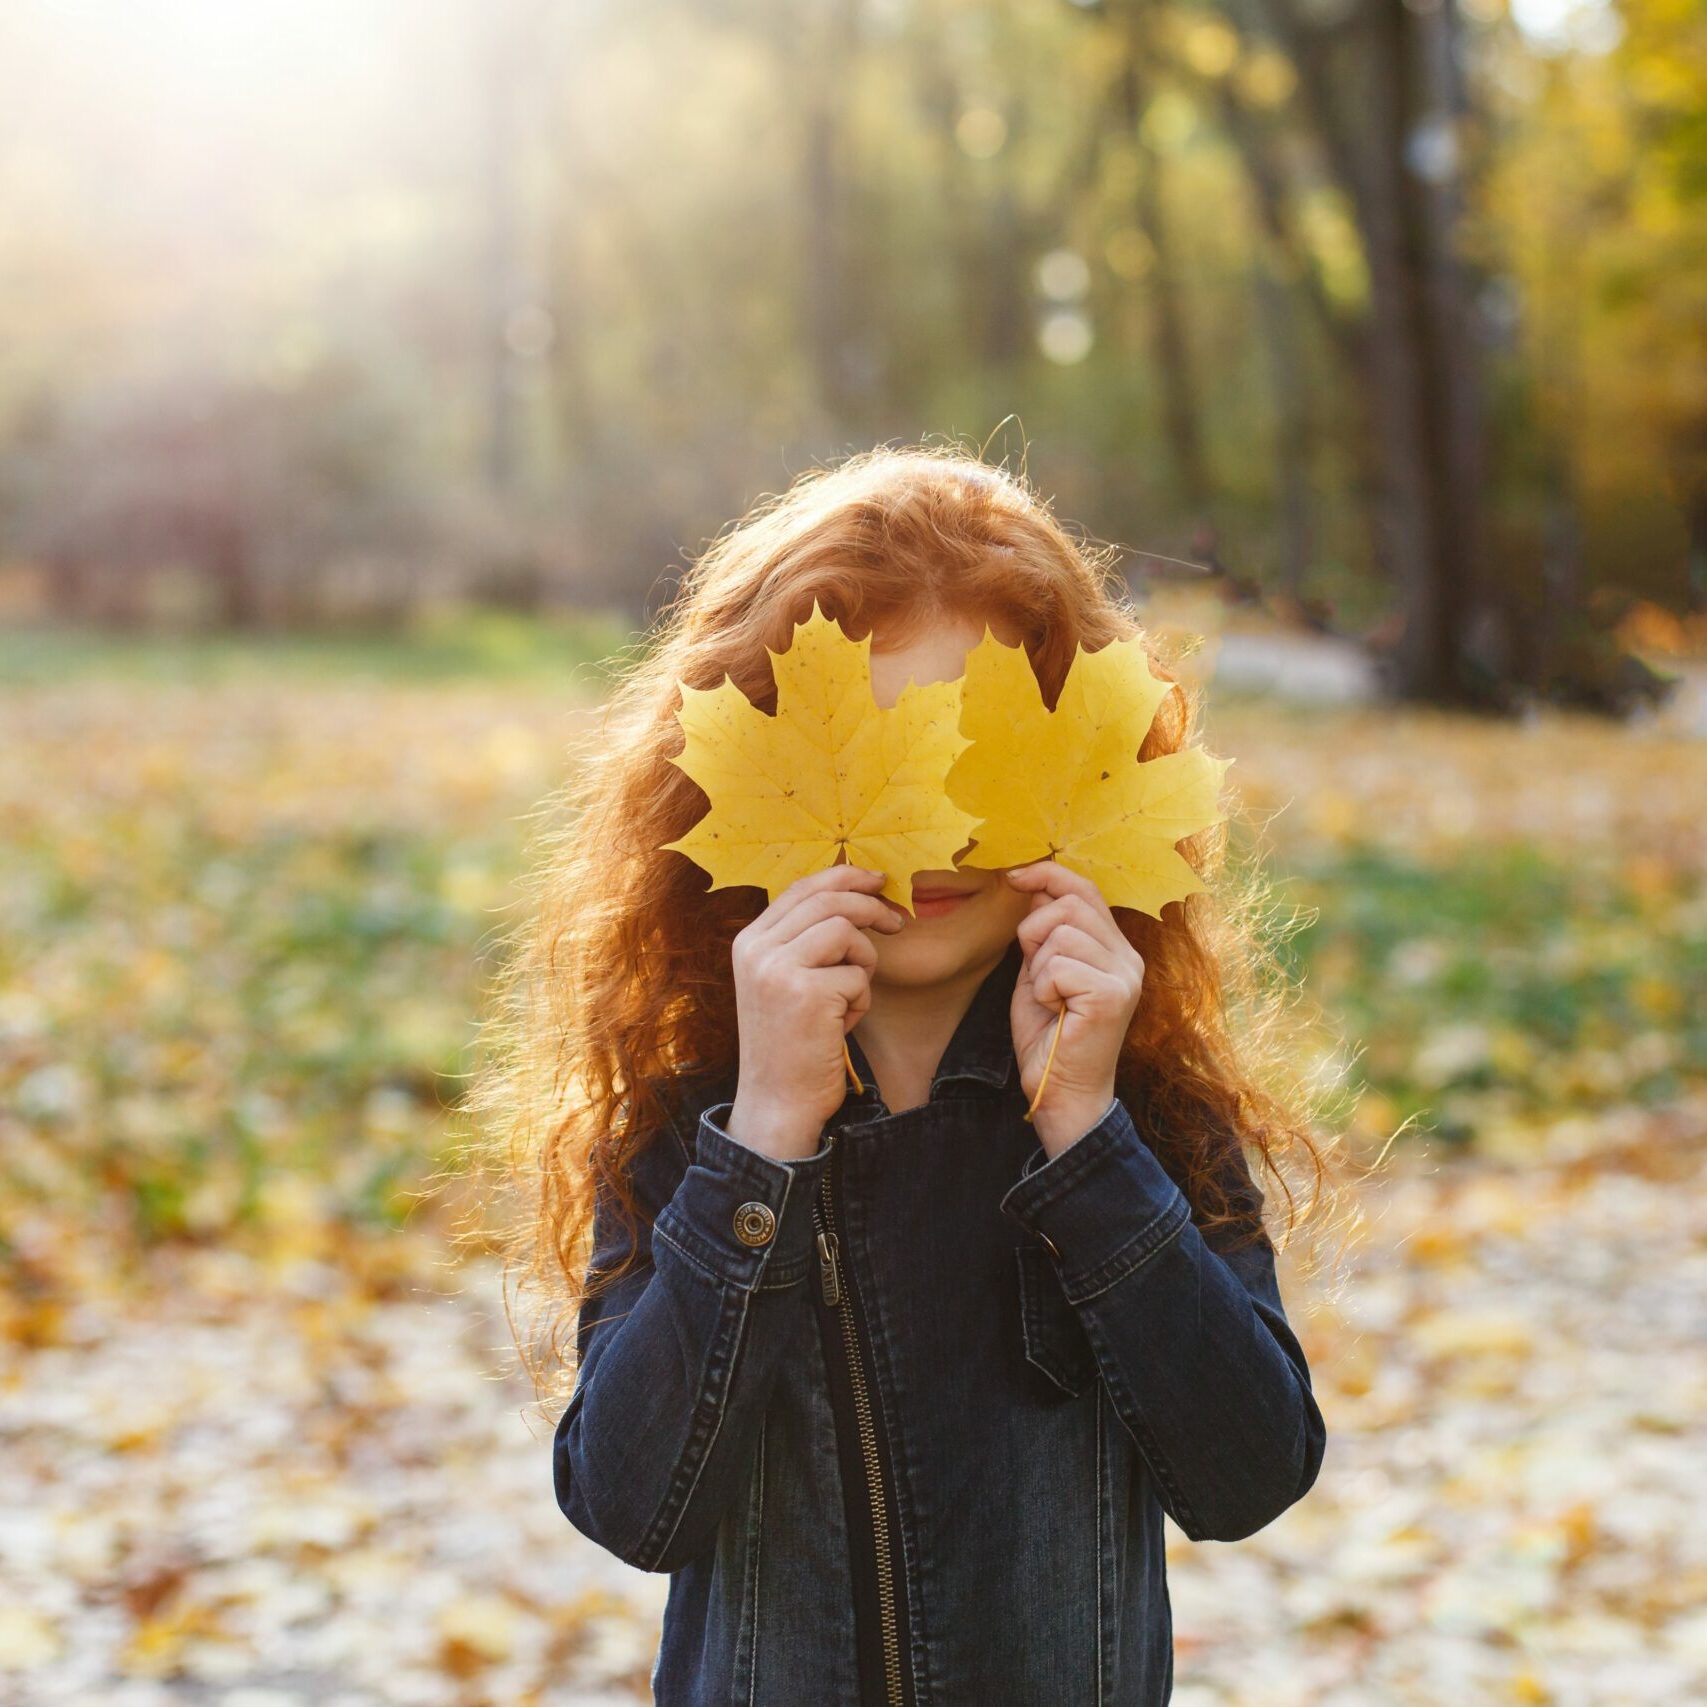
894,1382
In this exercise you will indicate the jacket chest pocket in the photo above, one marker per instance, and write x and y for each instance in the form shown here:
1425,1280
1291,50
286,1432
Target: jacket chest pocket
1055,1340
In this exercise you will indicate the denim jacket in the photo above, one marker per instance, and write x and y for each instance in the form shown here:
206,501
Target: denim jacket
902,1418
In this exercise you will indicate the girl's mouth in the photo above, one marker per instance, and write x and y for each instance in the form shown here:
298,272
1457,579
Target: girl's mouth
933,903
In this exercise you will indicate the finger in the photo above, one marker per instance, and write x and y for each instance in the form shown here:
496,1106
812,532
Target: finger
1076,944
853,986
849,984
1074,909
859,1005
1051,877
842,879
866,912
1089,989
833,942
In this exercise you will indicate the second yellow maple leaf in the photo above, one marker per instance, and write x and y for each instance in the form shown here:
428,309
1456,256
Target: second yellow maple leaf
1068,784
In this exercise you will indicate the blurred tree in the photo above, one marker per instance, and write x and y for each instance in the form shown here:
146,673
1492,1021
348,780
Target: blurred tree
1379,88
509,43
1381,307
266,496
1598,197
1163,284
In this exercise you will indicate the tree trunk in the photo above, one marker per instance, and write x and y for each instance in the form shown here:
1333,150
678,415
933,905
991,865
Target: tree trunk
1172,344
1294,427
823,65
1389,130
499,287
1696,511
1169,333
513,39
226,556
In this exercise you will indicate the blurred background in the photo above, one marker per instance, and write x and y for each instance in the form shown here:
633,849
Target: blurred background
372,372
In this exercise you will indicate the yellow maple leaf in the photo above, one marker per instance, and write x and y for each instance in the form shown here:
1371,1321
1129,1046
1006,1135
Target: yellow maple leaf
1068,784
831,773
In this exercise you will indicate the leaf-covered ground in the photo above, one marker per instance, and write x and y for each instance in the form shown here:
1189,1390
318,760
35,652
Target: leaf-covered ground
256,1442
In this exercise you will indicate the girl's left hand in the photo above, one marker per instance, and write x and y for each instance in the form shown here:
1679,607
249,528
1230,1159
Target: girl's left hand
1074,953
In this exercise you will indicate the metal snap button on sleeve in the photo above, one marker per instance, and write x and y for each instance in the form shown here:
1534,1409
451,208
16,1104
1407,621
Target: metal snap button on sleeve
755,1223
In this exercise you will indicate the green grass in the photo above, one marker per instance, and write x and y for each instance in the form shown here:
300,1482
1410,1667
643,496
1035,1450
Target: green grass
444,645
1509,983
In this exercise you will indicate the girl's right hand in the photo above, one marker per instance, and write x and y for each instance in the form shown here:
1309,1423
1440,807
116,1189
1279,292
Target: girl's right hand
802,983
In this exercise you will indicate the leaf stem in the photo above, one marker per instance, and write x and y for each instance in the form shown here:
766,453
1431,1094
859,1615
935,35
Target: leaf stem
1060,1020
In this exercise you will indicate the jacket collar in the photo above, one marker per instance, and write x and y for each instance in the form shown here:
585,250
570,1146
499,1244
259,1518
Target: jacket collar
981,1047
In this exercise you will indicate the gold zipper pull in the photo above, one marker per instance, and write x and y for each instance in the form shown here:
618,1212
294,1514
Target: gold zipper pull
830,1281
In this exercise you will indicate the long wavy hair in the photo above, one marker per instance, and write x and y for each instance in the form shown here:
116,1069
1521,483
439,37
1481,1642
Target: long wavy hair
618,977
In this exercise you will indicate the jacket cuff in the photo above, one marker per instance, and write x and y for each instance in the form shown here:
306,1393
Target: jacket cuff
1104,1205
731,1186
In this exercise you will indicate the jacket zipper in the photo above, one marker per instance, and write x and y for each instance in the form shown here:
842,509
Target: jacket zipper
836,1290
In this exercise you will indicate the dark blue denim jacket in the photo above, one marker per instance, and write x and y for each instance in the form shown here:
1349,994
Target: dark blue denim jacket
902,1418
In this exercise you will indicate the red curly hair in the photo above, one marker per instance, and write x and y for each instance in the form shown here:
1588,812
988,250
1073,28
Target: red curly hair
620,977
